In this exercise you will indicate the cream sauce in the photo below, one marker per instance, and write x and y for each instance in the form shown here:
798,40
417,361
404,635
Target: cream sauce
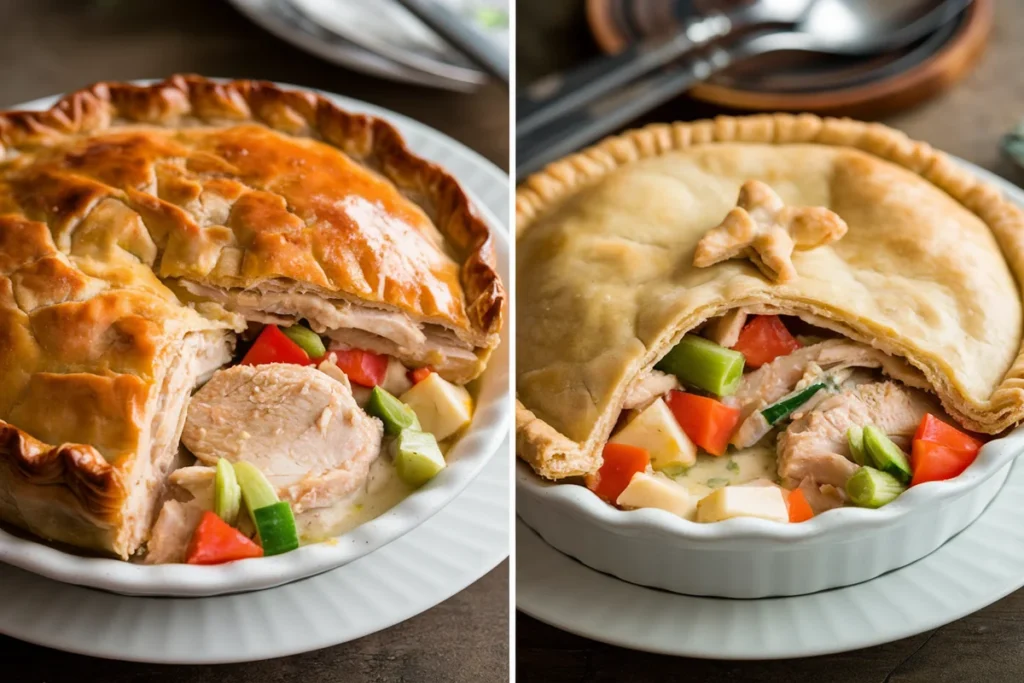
382,491
712,472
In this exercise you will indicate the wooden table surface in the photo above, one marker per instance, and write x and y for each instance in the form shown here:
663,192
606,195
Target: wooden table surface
987,646
51,46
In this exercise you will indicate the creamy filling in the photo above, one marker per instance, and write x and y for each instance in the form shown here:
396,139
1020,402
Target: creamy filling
754,464
794,418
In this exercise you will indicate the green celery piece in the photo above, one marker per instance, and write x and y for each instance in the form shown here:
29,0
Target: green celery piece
780,410
703,364
717,482
395,415
417,457
871,488
885,455
227,494
855,437
256,490
307,339
275,525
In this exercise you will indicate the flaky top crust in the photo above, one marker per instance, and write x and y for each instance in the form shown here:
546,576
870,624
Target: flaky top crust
929,270
243,181
118,190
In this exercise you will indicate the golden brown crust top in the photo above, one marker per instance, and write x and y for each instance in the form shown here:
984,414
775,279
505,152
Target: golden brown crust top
949,248
92,480
241,182
118,190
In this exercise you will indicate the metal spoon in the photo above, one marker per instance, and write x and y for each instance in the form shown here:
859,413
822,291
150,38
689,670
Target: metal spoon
556,94
844,27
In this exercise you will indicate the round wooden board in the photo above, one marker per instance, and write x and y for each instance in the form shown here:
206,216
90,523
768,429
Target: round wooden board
865,88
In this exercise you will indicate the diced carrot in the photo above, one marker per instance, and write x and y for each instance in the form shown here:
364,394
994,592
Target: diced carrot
365,368
934,462
934,430
215,541
273,346
417,375
621,462
799,509
709,423
764,339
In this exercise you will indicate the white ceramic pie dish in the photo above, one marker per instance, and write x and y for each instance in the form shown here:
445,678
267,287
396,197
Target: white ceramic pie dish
754,558
490,426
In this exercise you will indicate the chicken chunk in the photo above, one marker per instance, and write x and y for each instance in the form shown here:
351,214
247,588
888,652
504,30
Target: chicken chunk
725,330
815,445
190,495
647,388
774,380
300,427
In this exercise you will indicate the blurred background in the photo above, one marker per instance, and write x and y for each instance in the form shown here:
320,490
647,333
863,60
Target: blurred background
52,46
946,71
370,50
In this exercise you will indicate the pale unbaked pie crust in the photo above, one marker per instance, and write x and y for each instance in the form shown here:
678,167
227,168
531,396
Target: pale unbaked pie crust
929,269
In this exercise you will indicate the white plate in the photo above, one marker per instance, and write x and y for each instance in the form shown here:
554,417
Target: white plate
391,31
489,189
425,567
288,25
982,564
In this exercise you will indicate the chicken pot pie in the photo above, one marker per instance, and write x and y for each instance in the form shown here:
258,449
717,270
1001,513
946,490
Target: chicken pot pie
764,316
150,236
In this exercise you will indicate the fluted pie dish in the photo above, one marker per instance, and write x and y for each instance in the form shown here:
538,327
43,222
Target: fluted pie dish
789,335
237,319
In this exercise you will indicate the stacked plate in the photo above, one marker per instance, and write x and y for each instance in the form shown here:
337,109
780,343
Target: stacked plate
381,37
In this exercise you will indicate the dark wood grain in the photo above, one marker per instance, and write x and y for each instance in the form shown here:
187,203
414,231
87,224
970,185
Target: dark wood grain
51,46
985,647
462,640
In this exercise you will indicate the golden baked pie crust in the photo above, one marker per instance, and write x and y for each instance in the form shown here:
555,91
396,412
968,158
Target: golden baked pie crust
571,190
100,202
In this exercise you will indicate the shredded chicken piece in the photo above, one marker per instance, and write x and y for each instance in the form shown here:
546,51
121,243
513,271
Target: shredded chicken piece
647,388
816,445
725,330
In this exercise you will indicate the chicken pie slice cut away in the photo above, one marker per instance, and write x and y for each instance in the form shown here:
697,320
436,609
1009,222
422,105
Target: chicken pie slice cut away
143,227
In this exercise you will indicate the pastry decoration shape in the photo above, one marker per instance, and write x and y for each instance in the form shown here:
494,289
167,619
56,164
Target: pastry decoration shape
766,231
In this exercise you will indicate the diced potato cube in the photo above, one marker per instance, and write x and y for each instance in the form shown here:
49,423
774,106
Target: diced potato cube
441,407
656,431
396,381
657,491
765,502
